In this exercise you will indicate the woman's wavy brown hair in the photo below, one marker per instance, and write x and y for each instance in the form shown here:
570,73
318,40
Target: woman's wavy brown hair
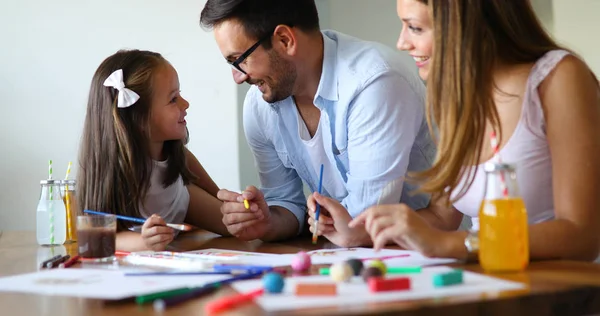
472,37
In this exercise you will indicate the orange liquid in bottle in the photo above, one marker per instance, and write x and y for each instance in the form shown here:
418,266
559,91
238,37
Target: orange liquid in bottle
503,235
71,207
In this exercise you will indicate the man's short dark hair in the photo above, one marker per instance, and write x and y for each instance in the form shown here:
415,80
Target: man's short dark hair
260,17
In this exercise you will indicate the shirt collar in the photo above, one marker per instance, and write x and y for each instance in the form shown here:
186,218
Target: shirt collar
328,85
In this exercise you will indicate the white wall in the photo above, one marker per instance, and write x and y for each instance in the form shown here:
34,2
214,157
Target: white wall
50,50
576,25
373,20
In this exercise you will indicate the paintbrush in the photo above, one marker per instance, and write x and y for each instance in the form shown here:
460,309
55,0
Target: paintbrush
318,210
181,227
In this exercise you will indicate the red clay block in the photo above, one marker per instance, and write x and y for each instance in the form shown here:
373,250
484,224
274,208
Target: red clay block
394,284
304,289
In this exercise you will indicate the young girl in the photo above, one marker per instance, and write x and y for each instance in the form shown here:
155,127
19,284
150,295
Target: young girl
490,66
132,158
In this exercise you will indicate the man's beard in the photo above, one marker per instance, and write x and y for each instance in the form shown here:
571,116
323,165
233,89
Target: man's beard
284,79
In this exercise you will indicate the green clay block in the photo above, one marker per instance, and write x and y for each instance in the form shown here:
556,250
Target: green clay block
448,278
402,270
324,271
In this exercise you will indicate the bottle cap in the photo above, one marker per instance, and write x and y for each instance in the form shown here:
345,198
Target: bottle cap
498,166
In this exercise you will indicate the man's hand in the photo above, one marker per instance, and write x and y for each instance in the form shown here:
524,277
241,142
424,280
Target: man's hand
245,224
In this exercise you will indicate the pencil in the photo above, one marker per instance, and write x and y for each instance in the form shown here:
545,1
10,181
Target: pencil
162,303
318,210
182,227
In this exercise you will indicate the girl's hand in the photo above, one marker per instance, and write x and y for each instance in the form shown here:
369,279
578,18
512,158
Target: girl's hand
156,234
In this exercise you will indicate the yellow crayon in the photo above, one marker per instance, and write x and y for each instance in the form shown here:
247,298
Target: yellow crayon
246,204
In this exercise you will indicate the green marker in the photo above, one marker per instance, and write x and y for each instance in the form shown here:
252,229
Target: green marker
324,271
403,270
142,299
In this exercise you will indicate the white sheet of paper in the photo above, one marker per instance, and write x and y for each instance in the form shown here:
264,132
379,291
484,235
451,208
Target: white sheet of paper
98,284
357,291
409,258
248,258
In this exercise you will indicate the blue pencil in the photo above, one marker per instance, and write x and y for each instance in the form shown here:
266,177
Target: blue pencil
182,227
318,210
234,267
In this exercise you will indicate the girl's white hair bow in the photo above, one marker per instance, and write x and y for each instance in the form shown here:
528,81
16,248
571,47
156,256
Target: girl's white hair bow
127,97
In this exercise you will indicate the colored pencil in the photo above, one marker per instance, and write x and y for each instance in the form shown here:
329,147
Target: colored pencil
160,304
235,267
181,227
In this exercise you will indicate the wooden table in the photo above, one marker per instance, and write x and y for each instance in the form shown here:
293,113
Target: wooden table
554,287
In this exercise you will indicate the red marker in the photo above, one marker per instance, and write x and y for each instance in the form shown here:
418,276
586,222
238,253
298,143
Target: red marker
69,262
231,301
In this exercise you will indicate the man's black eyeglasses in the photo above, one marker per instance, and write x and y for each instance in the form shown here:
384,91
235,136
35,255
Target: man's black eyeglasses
236,63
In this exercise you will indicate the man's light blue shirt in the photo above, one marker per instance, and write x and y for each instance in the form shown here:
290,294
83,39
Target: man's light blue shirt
377,130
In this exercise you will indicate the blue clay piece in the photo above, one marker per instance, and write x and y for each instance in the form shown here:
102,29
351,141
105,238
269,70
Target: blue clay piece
273,282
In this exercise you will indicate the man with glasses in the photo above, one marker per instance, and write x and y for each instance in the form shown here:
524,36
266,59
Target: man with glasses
318,98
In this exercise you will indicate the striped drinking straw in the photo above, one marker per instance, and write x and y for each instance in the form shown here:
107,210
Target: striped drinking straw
496,149
50,211
68,202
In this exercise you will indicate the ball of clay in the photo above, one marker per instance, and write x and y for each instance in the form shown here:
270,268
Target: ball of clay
379,265
273,282
356,265
301,262
341,272
371,272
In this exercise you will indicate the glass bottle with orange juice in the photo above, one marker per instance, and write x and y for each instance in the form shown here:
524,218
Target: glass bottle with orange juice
503,227
67,188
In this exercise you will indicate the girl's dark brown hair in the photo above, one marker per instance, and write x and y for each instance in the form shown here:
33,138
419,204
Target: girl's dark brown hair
114,159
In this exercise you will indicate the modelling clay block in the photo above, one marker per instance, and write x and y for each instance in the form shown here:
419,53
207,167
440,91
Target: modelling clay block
395,284
448,278
307,289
